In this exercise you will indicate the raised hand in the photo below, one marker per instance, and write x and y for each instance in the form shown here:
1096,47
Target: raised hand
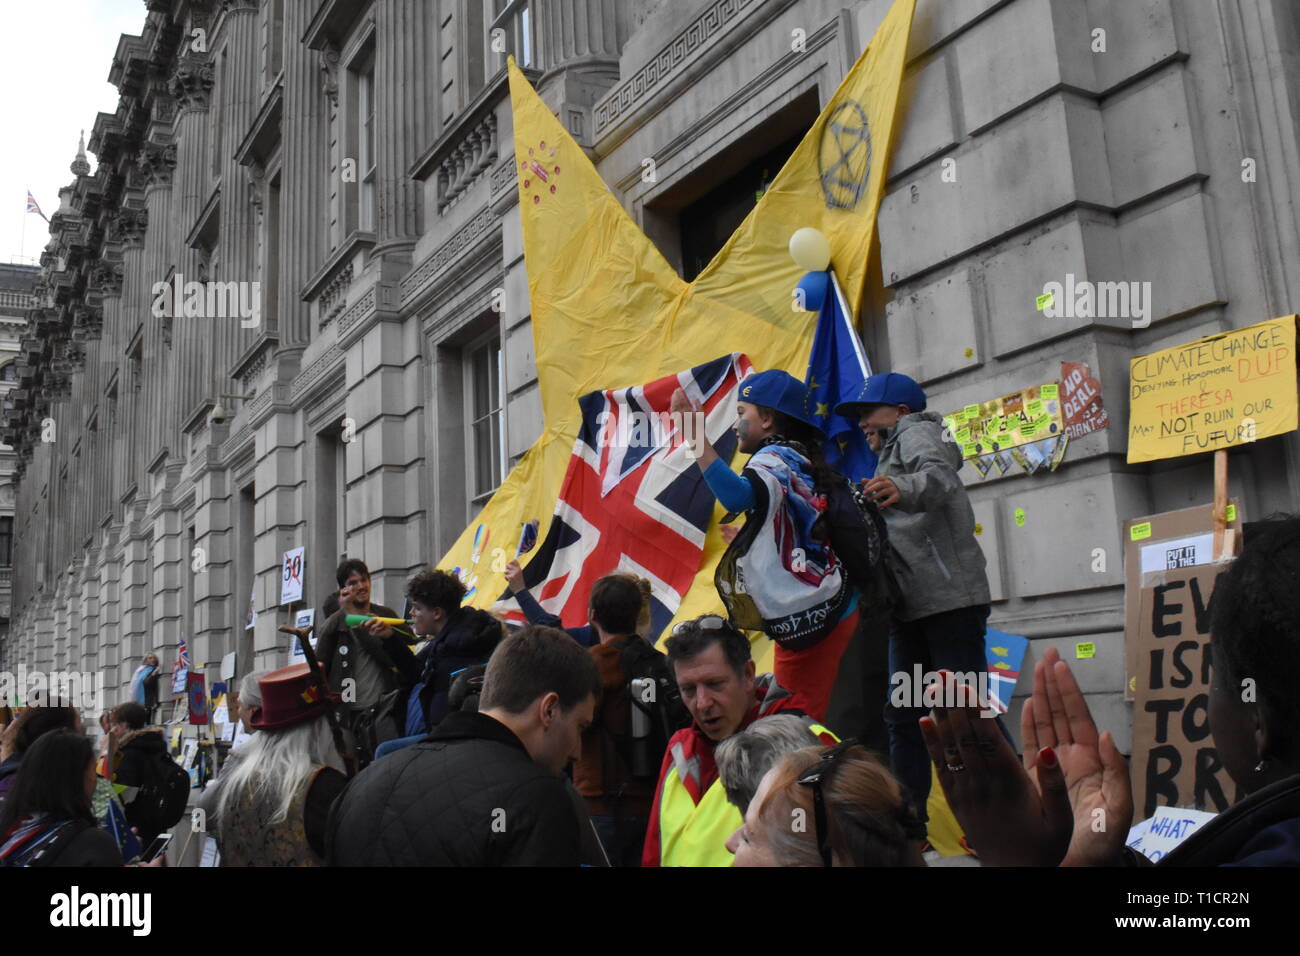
1009,819
515,577
1096,773
683,405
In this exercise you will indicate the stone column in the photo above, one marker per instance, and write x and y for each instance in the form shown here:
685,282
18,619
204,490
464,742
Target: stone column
156,162
310,93
240,86
191,85
403,77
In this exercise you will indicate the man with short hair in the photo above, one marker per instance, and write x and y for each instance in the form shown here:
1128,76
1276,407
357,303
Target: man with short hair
363,663
691,818
459,638
484,789
940,621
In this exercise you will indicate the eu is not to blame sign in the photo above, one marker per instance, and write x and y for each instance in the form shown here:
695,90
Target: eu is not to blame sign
1216,392
1174,762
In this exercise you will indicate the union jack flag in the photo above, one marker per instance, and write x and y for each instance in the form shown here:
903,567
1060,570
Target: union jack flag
183,655
632,500
33,206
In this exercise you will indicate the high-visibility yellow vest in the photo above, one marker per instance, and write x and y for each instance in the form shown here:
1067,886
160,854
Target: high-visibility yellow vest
696,834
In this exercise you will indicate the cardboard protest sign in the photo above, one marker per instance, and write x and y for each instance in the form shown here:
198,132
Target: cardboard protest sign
1174,760
1214,393
1147,539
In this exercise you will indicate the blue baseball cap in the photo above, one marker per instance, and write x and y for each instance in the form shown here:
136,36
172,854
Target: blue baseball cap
890,388
781,391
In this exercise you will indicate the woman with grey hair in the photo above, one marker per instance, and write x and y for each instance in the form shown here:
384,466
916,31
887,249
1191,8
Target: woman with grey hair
250,698
745,757
274,800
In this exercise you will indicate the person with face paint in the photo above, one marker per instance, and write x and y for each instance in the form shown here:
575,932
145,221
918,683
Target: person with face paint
779,574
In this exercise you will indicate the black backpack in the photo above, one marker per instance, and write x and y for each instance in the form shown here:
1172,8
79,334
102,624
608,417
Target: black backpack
163,795
858,536
659,701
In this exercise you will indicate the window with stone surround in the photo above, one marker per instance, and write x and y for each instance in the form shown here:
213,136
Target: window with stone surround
360,141
273,24
510,33
216,117
485,417
6,542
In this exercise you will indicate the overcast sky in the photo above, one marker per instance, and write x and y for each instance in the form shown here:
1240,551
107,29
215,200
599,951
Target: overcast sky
54,61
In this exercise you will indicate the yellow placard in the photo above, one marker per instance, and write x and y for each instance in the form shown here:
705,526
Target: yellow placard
1217,392
1085,651
1140,532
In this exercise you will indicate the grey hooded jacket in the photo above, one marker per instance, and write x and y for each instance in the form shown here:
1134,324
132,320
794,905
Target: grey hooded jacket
931,525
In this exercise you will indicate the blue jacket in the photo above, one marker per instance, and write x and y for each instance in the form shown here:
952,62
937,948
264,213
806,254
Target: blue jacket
469,638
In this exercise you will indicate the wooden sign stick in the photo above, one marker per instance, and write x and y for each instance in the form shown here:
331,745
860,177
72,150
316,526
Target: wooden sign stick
1220,503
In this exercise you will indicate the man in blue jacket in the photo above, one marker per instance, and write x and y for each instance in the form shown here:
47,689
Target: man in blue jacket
939,623
459,637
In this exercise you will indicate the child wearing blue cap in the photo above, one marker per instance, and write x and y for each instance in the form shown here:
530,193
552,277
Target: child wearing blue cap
944,601
779,574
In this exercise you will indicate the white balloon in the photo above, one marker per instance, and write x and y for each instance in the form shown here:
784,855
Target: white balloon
810,249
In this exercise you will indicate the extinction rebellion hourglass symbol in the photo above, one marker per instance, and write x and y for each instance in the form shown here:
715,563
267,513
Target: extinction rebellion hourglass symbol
540,171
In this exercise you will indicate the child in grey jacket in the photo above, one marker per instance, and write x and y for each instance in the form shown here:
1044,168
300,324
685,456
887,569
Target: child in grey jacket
939,623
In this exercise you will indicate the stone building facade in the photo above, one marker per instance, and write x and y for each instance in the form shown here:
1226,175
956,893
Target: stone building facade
354,160
16,284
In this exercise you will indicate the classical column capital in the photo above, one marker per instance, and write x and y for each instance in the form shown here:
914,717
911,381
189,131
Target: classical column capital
156,162
191,82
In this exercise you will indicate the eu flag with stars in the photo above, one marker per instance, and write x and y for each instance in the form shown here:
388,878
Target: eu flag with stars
837,368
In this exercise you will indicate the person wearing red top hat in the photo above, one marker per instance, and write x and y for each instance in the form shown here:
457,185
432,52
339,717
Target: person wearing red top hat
273,808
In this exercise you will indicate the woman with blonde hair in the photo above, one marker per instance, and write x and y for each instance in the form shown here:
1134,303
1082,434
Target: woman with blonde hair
837,806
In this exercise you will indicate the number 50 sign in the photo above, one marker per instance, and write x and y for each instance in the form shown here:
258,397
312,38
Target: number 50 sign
291,576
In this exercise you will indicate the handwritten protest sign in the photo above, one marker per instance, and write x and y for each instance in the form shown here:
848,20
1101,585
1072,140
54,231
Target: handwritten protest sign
1174,759
1213,393
1081,400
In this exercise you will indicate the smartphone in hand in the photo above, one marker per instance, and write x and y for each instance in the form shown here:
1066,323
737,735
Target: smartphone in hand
156,848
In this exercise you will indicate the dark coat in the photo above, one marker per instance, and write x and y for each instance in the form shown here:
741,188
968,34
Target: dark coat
466,795
469,638
391,653
135,753
1261,830
93,846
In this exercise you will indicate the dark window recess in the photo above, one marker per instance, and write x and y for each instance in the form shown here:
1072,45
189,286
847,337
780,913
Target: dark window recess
6,542
708,222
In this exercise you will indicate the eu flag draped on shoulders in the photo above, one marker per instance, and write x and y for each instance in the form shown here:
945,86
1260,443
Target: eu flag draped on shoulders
837,367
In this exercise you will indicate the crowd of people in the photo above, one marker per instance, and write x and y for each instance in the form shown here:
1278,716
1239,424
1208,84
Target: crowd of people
453,738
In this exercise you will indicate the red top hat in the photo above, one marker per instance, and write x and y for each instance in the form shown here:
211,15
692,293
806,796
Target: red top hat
288,697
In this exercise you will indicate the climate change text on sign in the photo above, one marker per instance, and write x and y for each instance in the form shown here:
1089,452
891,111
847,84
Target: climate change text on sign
1214,393
1175,762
